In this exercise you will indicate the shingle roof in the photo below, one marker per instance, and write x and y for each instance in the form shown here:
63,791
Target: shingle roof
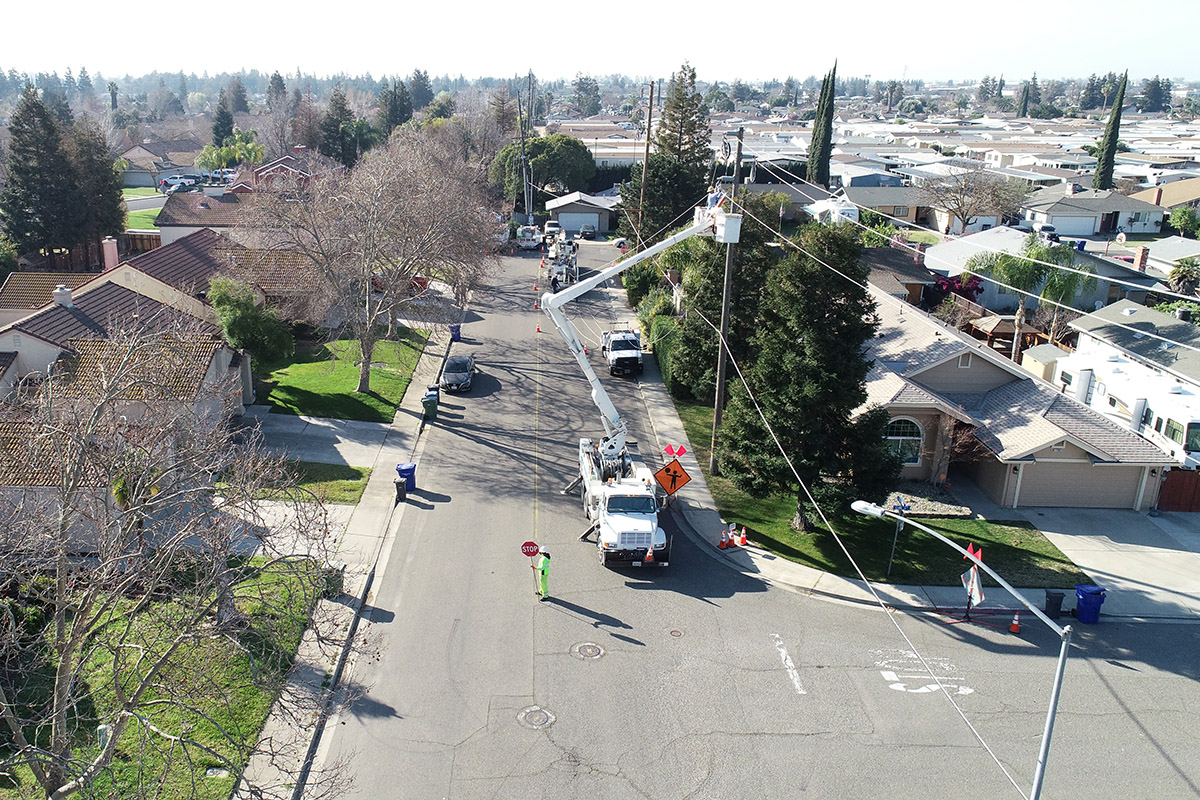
187,263
892,268
167,369
7,357
1147,349
873,196
202,211
1085,202
1175,193
35,289
1014,419
1173,248
94,311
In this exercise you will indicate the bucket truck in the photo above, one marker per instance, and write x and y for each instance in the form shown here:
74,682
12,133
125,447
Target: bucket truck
616,485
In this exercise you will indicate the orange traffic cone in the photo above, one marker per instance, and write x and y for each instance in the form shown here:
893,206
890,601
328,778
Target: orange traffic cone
539,327
1015,627
743,541
724,540
535,286
650,555
535,304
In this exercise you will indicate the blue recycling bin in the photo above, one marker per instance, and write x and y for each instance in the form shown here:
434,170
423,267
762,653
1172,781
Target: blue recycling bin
1088,601
456,333
1080,244
408,473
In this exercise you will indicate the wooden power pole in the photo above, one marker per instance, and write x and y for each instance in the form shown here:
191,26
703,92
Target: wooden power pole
645,164
719,402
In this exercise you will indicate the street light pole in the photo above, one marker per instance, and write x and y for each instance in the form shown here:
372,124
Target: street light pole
1039,773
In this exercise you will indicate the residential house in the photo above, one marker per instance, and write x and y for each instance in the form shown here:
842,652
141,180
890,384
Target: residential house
298,166
799,195
1075,211
902,202
574,210
1173,195
950,258
1163,254
859,175
958,408
188,213
899,271
151,161
25,292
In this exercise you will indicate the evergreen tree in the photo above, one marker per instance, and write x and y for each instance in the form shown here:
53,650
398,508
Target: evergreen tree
1106,151
672,189
420,89
306,127
985,90
99,182
84,83
276,92
335,139
237,96
587,95
683,132
40,203
1156,95
1023,105
1035,91
222,127
809,379
1091,96
1000,86
821,147
395,107
183,90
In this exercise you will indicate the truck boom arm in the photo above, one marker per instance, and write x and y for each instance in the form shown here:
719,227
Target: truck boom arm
616,431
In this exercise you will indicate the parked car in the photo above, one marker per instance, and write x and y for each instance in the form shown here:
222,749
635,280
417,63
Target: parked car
621,242
457,373
175,180
550,231
180,188
587,231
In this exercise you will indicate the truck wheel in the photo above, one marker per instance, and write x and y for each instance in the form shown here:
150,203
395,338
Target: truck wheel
612,370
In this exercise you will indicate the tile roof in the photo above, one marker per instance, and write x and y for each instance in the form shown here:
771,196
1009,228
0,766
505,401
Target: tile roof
93,313
164,369
35,289
29,458
277,272
1014,419
892,268
7,357
200,210
186,263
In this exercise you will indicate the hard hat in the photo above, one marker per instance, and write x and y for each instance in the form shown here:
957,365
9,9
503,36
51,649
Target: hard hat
545,552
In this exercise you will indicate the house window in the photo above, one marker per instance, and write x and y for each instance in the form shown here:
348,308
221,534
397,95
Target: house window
904,439
1158,425
1174,431
1192,444
1058,447
964,361
900,211
1136,217
1066,378
1147,416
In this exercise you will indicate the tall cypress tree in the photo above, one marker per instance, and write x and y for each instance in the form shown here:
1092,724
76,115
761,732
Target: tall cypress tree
1106,153
222,127
1023,105
821,147
40,204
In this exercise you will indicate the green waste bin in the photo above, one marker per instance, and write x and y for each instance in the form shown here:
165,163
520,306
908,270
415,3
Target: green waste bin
430,403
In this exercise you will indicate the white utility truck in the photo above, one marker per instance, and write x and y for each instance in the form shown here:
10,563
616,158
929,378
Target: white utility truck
622,349
529,237
616,485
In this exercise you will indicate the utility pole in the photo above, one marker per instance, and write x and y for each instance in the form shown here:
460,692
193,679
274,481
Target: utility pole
645,163
525,176
719,402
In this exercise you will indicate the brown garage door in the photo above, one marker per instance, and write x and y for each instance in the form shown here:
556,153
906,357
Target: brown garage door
1068,485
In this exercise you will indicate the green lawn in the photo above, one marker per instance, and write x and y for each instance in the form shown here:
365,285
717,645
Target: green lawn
928,237
1016,550
138,191
223,682
320,380
142,220
333,483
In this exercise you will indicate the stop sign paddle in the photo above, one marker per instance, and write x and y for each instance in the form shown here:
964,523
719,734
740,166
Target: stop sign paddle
530,549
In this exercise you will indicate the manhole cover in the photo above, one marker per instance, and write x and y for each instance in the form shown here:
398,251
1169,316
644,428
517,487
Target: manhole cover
587,650
677,634
535,717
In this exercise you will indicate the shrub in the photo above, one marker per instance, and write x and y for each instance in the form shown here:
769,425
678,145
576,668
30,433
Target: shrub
656,303
639,280
663,336
247,327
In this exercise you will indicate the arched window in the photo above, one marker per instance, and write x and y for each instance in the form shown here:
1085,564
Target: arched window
904,438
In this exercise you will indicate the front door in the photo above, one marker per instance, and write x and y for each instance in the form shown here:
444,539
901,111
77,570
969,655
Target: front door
1108,222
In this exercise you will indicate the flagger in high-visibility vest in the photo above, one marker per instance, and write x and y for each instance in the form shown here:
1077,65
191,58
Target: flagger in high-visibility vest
543,569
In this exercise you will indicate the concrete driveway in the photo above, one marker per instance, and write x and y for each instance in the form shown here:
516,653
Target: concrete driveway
328,441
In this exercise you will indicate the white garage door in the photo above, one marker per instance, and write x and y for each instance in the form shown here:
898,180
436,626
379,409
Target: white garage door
1075,226
573,222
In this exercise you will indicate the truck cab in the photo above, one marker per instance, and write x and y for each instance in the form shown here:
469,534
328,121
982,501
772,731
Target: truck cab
622,349
622,501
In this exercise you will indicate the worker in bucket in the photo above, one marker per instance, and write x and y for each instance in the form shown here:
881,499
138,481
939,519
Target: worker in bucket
543,569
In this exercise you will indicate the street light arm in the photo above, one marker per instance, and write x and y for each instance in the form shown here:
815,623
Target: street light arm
875,510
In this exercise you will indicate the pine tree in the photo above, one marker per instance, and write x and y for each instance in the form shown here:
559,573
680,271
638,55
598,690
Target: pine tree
1000,86
1106,152
276,92
821,147
1035,91
395,107
683,132
587,95
1091,96
335,139
237,96
420,89
809,379
84,83
1023,105
99,185
222,127
40,203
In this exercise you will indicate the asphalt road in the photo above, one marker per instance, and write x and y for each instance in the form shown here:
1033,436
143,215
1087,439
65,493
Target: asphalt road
702,682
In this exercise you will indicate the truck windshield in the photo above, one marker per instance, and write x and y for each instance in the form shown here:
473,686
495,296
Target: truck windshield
631,505
623,344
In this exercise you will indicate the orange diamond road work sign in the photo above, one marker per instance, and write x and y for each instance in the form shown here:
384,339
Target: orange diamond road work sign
672,477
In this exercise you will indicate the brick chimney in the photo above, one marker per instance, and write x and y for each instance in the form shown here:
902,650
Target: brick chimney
1140,257
919,253
109,246
1158,196
62,296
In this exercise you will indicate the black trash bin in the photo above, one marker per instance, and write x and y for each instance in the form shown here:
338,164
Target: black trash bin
1054,601
401,490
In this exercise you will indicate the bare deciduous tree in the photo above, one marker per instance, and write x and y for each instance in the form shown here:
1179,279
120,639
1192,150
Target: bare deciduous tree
974,192
412,209
138,553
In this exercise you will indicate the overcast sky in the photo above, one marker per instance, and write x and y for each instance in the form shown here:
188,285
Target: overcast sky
1055,38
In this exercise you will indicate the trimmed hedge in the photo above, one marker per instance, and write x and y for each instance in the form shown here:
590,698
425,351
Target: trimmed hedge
663,334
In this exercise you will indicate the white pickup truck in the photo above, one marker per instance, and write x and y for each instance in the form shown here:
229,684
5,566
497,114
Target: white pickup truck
622,349
619,496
